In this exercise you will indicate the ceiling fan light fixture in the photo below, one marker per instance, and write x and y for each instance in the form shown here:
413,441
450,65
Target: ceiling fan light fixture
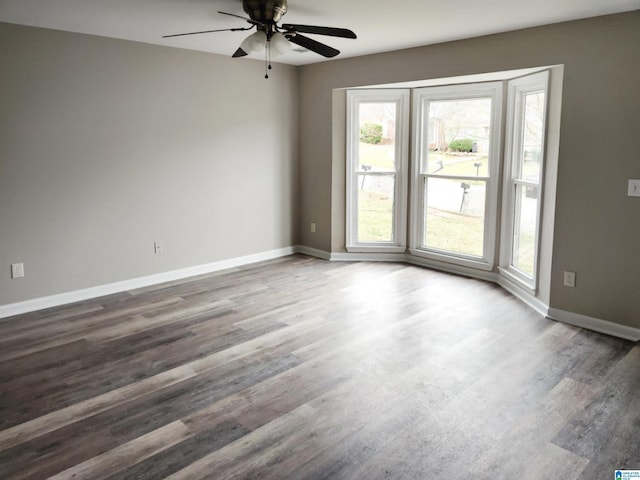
254,42
279,44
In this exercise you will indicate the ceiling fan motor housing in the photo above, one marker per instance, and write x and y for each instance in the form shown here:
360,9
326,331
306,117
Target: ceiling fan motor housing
265,11
264,16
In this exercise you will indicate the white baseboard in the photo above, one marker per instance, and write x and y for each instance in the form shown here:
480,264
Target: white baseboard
596,324
583,321
117,287
414,260
367,257
351,256
523,295
313,252
452,268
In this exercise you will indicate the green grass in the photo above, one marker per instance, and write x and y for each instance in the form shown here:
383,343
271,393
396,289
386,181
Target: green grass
446,231
454,232
375,217
527,249
380,157
460,165
464,165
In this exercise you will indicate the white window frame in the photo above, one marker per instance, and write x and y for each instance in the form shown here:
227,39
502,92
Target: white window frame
402,99
517,89
420,131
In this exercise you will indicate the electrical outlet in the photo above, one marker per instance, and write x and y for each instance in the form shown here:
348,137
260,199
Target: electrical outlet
313,227
17,270
570,279
157,247
634,188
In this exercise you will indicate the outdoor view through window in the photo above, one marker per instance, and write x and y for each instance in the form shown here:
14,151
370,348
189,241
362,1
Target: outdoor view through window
376,171
424,166
526,183
456,174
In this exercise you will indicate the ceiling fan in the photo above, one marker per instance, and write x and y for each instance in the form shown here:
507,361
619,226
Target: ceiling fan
264,15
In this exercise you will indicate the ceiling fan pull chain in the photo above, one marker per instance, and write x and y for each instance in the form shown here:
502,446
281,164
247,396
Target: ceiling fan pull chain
266,61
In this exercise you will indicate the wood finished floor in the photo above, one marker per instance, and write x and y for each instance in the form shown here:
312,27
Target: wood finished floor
304,369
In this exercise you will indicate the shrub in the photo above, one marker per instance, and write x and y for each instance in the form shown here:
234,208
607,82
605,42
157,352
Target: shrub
371,133
461,145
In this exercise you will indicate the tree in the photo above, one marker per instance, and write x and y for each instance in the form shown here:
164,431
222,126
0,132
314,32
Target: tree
371,133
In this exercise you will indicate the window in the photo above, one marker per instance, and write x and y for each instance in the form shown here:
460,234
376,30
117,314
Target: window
456,165
377,133
524,166
458,161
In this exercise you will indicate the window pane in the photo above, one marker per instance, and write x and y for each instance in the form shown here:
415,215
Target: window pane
524,228
532,136
458,137
375,208
377,129
454,219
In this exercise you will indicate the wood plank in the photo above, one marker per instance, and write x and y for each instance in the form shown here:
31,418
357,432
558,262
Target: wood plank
60,418
535,431
124,456
555,462
185,453
299,368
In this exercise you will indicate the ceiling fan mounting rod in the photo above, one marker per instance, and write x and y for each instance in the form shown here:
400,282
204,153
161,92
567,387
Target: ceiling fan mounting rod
267,12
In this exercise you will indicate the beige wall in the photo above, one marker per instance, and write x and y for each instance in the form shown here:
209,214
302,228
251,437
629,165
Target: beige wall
108,145
597,227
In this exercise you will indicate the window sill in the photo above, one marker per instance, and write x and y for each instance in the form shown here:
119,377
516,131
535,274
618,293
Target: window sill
527,286
478,264
376,249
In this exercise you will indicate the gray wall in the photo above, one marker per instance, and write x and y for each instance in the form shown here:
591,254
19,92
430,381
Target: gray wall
108,145
597,227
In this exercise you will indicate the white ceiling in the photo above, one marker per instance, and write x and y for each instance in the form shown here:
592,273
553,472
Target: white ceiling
381,25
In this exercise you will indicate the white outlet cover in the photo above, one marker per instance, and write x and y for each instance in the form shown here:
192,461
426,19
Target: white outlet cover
634,188
570,279
17,270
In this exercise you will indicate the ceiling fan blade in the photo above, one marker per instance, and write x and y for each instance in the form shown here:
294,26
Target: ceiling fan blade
254,22
330,31
239,53
310,44
207,31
